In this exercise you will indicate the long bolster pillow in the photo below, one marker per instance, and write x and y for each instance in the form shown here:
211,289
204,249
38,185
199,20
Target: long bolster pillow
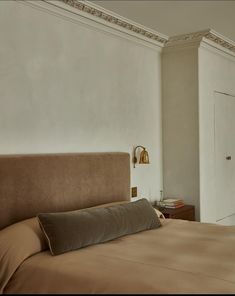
69,231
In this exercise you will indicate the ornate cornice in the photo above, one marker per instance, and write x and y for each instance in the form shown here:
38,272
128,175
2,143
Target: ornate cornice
230,45
91,12
206,35
196,36
100,13
82,6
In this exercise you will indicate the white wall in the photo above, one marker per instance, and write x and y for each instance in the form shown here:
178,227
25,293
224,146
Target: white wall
216,73
66,87
180,125
191,75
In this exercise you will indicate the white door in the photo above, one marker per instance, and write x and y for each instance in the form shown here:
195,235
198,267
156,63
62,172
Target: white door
224,155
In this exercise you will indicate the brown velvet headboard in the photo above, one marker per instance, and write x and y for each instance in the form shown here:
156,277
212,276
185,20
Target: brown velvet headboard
30,184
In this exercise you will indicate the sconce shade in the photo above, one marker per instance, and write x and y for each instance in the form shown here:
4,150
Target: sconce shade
144,157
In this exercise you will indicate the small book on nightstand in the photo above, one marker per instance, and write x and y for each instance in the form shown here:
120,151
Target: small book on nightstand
172,203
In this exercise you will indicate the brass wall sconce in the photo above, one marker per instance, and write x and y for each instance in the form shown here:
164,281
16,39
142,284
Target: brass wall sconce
144,156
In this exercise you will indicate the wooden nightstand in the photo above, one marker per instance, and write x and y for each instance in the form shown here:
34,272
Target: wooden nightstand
187,212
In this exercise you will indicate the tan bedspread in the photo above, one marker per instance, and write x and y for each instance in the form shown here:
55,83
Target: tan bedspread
180,257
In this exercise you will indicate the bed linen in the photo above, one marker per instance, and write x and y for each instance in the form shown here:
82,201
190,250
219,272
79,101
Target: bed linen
179,257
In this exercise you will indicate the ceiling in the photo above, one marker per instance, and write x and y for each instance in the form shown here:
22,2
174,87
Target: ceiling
177,17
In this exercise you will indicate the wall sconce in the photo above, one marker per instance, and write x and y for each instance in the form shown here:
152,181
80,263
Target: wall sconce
144,156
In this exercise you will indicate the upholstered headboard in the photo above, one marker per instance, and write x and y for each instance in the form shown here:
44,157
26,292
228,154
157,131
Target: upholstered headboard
30,184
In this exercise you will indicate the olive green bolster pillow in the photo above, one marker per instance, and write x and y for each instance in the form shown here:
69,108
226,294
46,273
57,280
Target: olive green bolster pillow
67,231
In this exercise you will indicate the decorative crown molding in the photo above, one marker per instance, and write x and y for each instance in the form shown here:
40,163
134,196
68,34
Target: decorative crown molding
206,35
195,36
110,17
91,12
215,37
115,20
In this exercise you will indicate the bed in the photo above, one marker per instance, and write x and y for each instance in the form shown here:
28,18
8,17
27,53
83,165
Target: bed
178,257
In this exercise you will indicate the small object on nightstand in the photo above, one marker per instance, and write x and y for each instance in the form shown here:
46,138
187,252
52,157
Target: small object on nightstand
172,203
161,197
186,212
